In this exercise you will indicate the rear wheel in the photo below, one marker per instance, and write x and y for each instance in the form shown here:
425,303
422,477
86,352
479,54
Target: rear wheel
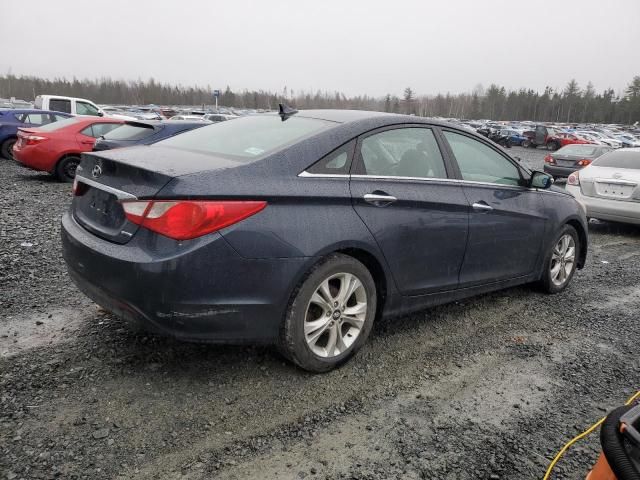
66,168
331,314
553,145
7,148
561,261
526,143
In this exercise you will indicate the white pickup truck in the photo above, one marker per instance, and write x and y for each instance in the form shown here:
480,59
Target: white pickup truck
72,105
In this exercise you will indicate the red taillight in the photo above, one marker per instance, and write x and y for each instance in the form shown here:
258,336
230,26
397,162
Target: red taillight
79,188
574,179
32,139
549,159
584,162
187,219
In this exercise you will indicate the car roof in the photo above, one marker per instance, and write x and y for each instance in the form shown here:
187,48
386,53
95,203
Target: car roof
339,116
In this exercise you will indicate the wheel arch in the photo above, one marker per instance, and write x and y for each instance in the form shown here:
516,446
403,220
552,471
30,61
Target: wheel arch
62,157
584,242
376,265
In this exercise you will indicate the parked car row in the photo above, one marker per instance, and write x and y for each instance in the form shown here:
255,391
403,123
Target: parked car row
201,197
555,136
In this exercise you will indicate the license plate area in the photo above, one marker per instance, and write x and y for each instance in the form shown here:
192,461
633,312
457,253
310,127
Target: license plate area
101,213
614,190
565,163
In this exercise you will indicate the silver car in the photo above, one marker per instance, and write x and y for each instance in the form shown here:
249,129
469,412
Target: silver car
609,188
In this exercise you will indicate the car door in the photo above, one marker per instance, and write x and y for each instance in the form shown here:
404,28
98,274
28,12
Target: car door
401,189
506,222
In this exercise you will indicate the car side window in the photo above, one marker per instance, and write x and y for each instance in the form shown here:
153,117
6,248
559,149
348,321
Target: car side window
480,163
403,152
83,108
37,119
60,105
337,162
98,129
59,117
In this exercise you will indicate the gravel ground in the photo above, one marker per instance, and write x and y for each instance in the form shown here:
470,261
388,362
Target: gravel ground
486,388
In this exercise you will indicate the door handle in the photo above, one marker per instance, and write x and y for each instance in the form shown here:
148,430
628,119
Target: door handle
482,207
378,200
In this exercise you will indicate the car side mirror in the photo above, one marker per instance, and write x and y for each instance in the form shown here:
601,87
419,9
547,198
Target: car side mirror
101,114
540,180
518,159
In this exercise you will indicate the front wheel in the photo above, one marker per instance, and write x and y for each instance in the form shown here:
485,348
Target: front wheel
66,168
330,315
561,261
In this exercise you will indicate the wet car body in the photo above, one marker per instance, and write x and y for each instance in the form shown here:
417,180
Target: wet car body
235,284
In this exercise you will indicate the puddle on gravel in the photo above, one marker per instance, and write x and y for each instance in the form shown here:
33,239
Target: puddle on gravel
19,333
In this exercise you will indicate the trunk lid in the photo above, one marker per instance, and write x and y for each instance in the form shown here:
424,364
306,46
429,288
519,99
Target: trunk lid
105,179
611,183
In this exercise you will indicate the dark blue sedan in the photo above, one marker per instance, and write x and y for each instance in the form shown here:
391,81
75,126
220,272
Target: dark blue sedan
143,133
300,229
11,120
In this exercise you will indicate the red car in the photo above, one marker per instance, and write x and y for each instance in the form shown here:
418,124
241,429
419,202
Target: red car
560,140
56,147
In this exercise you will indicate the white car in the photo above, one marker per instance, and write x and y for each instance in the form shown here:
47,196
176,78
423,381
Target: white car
602,138
609,188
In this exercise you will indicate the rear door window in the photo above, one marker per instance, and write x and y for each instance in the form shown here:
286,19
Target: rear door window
36,118
403,152
60,105
98,129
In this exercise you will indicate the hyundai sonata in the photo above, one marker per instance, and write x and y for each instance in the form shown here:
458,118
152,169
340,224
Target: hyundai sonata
300,228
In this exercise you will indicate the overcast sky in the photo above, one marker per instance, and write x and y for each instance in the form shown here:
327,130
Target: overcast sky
354,46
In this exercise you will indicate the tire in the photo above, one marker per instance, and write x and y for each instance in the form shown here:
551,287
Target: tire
526,144
66,168
556,258
553,145
7,147
314,350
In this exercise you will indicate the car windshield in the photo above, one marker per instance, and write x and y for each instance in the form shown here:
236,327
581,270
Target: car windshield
247,137
58,125
130,132
619,159
577,150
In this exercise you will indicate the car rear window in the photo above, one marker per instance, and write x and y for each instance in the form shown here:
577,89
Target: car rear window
130,132
248,137
619,159
577,150
58,125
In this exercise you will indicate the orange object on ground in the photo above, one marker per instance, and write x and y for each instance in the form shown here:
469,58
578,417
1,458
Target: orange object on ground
601,470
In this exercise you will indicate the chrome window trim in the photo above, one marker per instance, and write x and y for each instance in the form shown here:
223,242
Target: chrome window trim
306,174
106,188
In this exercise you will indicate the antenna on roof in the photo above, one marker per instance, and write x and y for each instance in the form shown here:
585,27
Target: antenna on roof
285,111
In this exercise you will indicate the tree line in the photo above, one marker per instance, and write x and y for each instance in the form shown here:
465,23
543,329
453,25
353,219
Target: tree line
572,104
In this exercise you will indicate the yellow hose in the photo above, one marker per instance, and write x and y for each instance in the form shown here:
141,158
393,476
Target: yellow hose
582,435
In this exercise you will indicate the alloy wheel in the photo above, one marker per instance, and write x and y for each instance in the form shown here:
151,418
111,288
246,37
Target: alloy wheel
563,259
335,315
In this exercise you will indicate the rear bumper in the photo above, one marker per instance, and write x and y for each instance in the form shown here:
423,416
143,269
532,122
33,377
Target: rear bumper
558,171
35,158
199,290
605,209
